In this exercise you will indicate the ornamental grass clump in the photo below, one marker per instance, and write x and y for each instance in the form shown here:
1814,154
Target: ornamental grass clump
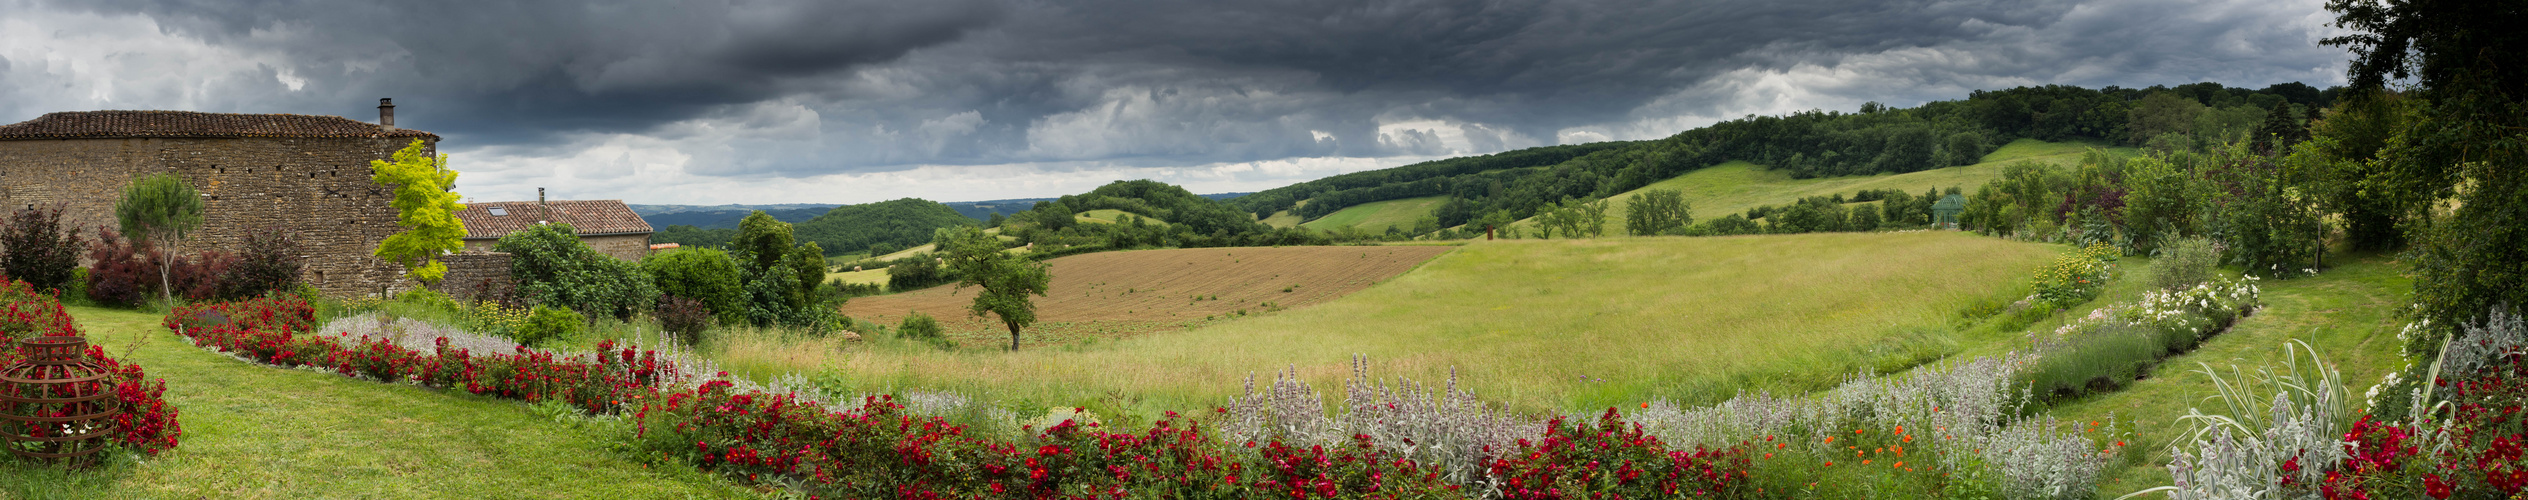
2277,434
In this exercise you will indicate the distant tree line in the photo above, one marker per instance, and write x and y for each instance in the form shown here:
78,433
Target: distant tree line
874,228
1877,139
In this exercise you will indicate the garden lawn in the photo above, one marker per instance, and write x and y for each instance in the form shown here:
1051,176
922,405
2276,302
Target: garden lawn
1540,325
2349,313
254,431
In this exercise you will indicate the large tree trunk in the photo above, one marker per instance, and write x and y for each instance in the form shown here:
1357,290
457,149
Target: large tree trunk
1013,337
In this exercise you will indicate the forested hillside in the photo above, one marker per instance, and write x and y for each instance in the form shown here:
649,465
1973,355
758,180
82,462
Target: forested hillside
1877,139
879,227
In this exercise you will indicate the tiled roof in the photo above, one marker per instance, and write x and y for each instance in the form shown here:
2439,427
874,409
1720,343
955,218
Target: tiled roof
590,217
189,124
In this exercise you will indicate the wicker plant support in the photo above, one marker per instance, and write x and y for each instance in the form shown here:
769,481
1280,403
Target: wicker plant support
56,405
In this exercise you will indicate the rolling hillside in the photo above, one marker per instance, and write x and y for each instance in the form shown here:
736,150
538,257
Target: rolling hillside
1538,324
1113,294
1378,216
1737,186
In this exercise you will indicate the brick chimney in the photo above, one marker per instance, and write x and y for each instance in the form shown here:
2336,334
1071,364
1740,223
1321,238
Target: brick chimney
386,113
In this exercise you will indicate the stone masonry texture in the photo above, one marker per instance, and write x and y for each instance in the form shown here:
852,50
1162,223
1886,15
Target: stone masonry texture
316,187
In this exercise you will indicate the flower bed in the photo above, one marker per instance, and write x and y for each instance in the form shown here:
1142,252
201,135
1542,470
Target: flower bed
879,449
277,331
146,423
2116,344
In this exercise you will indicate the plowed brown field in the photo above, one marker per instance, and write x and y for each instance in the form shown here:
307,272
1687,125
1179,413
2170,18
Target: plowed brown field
1116,294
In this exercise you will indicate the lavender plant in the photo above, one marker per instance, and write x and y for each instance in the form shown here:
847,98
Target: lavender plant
1971,407
1449,429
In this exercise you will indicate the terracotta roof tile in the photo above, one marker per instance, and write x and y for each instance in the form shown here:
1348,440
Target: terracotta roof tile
189,124
589,217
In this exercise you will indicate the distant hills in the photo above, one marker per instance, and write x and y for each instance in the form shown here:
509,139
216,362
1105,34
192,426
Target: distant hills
839,229
726,216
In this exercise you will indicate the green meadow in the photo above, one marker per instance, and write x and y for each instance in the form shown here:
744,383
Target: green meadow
1737,186
1377,216
1539,325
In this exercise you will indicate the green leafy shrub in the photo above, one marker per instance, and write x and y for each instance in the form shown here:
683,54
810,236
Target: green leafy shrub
2184,264
494,318
706,276
921,270
2073,278
552,267
548,324
920,327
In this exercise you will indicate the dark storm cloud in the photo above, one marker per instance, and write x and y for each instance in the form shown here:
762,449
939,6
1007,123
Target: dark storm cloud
794,88
513,72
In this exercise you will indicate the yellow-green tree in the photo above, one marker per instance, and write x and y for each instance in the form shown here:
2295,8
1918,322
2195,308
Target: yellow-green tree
426,209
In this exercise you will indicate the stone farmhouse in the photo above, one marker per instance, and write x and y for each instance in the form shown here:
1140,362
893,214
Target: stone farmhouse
606,225
256,172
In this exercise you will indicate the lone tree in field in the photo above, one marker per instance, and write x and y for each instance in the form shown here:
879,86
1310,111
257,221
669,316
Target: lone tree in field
425,208
976,258
160,210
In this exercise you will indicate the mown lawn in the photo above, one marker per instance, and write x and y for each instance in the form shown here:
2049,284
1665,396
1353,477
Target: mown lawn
2349,313
253,431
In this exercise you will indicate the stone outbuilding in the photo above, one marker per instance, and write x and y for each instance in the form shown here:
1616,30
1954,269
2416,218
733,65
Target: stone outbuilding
256,172
609,226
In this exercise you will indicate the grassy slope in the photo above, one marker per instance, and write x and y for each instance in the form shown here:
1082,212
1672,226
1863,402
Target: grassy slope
1736,186
2348,313
1282,219
1376,216
1523,322
260,432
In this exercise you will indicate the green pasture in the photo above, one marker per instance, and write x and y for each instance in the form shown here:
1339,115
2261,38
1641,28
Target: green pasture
1377,216
1737,186
1540,325
253,431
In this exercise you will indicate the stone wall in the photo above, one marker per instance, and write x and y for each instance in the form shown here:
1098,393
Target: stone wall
631,247
476,275
316,187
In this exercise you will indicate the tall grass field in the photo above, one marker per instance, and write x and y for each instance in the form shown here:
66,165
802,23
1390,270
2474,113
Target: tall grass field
1540,325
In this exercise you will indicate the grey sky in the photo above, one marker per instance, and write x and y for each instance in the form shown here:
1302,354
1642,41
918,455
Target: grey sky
855,101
